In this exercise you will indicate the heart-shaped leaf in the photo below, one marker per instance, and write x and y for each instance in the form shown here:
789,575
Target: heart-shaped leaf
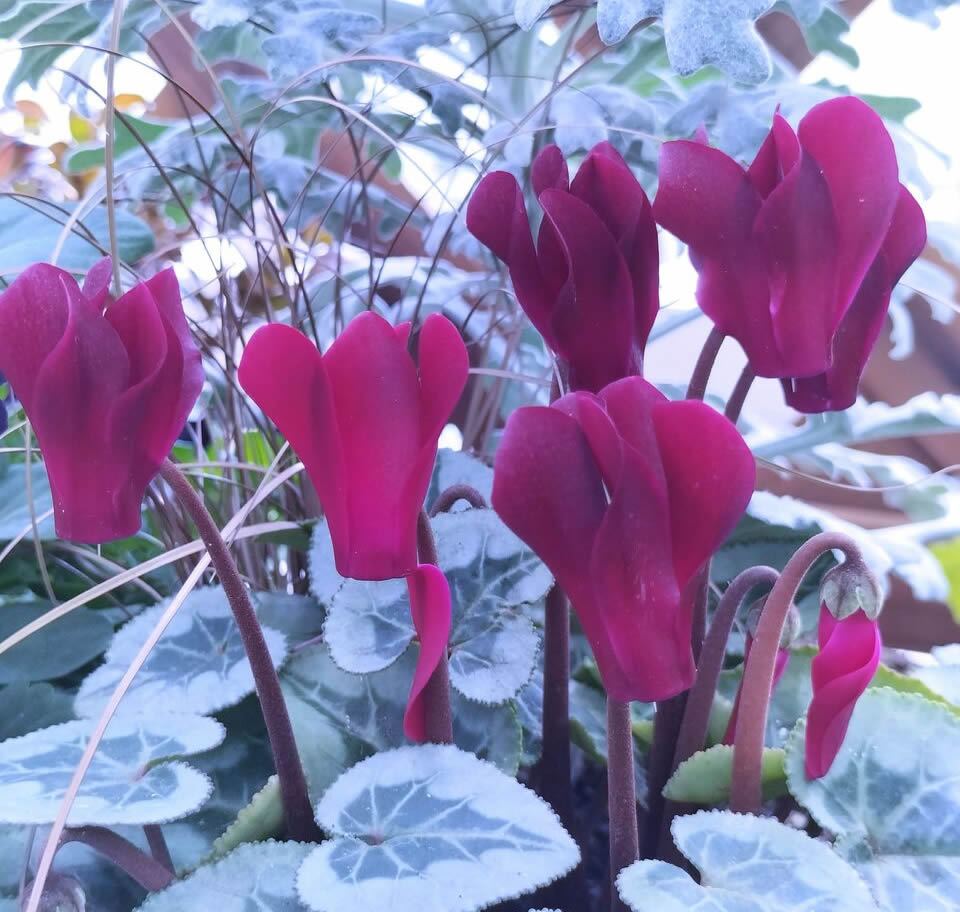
259,876
747,864
893,796
199,664
130,781
431,827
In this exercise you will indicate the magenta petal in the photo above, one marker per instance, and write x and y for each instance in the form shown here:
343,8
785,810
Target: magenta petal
444,365
764,172
593,318
277,361
549,170
75,389
166,294
606,184
497,217
646,627
376,394
797,231
836,387
33,318
710,474
849,142
431,612
96,283
707,201
547,489
907,235
848,659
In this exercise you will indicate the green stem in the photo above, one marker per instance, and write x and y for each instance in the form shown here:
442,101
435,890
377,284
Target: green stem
701,372
298,810
621,796
745,786
436,695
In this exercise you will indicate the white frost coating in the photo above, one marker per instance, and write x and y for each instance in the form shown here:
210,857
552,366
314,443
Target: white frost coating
431,827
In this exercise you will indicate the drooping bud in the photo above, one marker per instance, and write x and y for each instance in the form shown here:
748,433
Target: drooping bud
850,588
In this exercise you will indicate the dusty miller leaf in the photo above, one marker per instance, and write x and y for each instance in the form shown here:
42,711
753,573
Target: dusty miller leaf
431,827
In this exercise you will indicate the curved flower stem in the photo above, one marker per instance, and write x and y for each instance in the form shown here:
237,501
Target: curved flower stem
696,715
739,394
446,499
298,811
143,868
436,695
158,845
621,796
745,785
701,372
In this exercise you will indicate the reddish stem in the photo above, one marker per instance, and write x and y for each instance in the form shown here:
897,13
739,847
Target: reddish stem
298,810
143,868
701,371
446,499
621,796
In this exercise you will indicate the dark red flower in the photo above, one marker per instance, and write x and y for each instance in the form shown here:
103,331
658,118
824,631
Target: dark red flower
624,495
365,423
798,254
590,286
842,669
107,386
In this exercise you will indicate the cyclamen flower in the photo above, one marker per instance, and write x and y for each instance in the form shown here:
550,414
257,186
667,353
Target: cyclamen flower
590,286
842,669
624,496
107,386
799,253
365,423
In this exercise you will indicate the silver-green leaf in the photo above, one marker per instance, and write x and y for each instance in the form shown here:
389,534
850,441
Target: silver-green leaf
199,664
431,827
132,779
747,864
892,795
258,877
